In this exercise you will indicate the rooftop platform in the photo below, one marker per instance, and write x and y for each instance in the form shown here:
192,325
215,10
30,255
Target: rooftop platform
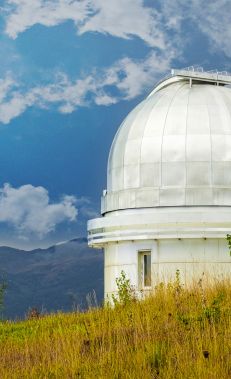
194,74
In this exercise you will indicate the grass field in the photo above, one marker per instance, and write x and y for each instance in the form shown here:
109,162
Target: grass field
175,333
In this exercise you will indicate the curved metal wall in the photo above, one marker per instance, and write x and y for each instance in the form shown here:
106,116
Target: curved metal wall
173,149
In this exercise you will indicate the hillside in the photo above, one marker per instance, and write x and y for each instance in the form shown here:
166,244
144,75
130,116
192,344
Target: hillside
52,279
173,334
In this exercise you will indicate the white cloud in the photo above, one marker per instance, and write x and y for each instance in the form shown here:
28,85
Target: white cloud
128,77
158,26
15,106
5,86
126,18
28,209
138,75
87,209
212,18
23,14
119,18
214,21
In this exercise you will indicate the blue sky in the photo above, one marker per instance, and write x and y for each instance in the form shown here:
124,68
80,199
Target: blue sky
70,72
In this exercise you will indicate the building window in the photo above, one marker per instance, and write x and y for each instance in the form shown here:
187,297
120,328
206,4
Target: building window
145,269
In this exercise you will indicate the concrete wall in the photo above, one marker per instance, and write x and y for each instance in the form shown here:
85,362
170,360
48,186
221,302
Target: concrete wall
195,258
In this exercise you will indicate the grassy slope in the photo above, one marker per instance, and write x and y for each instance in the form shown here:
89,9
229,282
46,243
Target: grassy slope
168,335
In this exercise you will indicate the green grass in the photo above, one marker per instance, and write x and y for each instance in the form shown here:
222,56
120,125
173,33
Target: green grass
175,333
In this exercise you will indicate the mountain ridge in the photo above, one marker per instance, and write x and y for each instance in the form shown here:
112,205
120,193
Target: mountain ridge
55,278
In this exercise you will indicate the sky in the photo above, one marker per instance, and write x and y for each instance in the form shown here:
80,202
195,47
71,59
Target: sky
70,71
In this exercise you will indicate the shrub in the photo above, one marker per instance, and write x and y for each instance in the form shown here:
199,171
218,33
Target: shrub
3,286
126,292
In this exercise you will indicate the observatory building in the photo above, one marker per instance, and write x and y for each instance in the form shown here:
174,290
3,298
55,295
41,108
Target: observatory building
167,205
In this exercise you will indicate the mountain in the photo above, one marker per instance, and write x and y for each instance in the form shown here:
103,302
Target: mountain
57,278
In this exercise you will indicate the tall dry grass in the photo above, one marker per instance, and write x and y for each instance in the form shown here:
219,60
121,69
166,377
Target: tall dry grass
175,333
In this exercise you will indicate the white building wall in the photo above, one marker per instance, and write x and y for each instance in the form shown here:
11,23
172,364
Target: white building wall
208,259
123,256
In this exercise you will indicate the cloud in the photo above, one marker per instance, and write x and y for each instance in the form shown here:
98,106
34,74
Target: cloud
159,25
23,14
214,21
5,86
86,208
13,102
212,18
126,18
138,75
28,210
127,77
119,18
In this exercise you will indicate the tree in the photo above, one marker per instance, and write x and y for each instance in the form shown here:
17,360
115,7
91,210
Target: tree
3,286
228,237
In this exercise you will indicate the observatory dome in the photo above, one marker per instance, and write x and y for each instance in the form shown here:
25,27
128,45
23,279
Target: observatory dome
167,206
173,149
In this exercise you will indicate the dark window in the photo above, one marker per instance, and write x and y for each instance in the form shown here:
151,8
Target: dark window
145,269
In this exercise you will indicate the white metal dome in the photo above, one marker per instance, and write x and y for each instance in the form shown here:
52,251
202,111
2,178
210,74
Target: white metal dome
168,197
173,149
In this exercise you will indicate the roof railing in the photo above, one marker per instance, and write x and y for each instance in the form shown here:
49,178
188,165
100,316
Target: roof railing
197,72
201,69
